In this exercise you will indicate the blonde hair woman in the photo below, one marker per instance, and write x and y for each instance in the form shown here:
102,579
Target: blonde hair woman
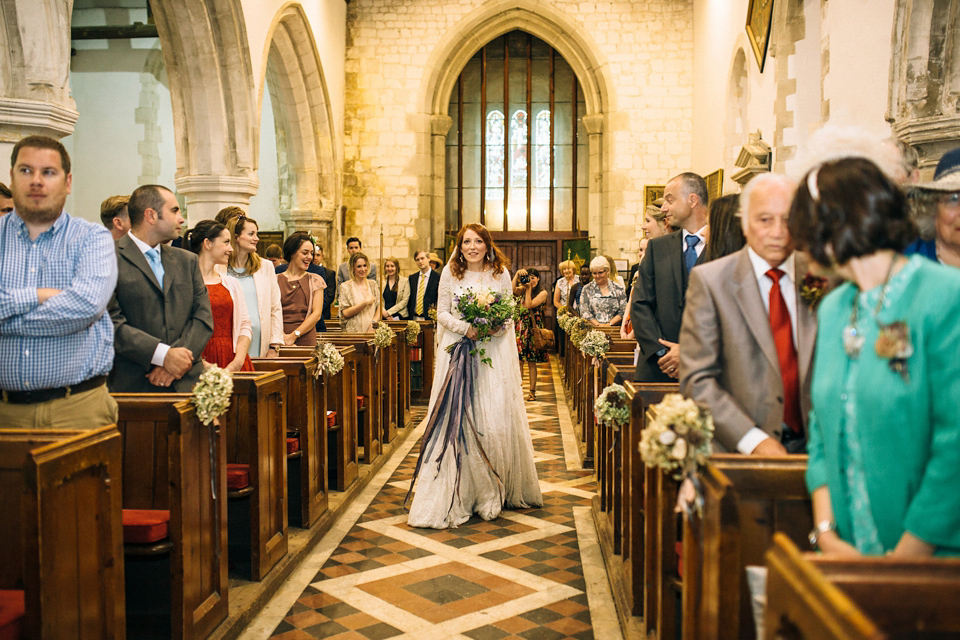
396,291
359,298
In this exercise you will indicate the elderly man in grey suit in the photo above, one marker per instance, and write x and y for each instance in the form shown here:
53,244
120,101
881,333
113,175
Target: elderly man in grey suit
160,310
747,339
656,305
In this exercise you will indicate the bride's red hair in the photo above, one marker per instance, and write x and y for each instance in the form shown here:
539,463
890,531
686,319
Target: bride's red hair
458,263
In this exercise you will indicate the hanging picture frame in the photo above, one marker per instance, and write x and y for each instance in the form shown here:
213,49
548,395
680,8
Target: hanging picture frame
714,184
759,21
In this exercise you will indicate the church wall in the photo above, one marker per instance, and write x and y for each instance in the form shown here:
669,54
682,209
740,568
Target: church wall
827,63
644,49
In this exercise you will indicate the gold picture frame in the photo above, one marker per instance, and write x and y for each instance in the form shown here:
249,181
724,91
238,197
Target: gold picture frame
651,193
759,21
714,184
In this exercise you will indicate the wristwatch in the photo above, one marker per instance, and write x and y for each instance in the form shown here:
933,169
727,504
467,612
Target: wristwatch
662,351
821,528
296,332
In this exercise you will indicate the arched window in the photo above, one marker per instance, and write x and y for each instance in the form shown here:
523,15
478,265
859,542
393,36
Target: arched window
517,150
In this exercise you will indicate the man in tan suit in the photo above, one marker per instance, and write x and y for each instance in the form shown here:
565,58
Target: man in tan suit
746,343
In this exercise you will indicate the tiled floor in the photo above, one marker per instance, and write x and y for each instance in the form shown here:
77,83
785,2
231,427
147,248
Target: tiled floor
534,574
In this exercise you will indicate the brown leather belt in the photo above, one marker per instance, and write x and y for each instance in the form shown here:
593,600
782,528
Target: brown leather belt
45,395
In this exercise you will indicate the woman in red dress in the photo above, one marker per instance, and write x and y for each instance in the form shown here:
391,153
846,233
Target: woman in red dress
231,325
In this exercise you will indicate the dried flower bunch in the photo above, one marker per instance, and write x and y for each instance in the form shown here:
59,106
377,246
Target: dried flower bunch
329,359
383,335
612,407
595,344
211,394
412,331
678,436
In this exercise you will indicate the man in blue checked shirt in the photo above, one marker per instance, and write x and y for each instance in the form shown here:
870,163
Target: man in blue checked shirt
57,274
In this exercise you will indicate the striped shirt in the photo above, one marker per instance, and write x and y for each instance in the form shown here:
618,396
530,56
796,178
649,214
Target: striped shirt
68,338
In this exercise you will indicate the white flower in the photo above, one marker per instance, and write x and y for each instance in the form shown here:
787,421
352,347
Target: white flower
679,450
667,437
485,299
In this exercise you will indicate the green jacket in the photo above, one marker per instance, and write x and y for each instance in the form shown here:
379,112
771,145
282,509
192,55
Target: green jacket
909,430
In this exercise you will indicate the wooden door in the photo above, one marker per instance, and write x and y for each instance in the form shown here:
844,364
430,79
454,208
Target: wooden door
540,255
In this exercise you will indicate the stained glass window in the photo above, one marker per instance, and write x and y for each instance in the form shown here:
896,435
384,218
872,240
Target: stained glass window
541,144
518,148
495,154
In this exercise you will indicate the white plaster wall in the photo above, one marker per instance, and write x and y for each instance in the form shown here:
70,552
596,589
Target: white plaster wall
265,205
107,148
858,36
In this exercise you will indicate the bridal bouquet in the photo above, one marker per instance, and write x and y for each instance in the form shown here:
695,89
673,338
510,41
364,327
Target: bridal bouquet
211,394
487,311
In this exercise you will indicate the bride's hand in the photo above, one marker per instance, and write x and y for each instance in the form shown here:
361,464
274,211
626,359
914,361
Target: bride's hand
472,333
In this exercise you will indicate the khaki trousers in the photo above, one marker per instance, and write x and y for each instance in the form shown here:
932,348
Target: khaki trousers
88,410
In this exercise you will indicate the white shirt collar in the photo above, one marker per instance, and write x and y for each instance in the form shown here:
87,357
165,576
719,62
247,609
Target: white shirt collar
143,246
761,266
698,233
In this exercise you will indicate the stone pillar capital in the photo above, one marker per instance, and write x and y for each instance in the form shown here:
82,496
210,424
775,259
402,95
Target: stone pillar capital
440,124
206,195
593,123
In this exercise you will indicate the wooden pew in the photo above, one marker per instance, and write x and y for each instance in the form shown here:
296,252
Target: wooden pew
306,408
171,461
61,531
369,387
402,382
811,596
747,499
427,342
341,390
256,435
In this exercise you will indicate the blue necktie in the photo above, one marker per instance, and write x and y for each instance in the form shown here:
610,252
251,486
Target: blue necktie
690,253
153,257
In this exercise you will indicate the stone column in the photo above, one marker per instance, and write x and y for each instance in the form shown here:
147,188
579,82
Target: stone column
206,195
21,118
439,126
318,222
594,125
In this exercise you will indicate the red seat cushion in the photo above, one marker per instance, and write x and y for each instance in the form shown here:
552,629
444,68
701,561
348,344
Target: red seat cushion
293,445
12,610
145,526
361,402
331,418
238,476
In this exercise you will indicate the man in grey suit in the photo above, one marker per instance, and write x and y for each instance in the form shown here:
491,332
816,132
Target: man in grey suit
656,306
160,310
747,340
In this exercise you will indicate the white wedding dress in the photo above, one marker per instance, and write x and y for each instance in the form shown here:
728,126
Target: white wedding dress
501,422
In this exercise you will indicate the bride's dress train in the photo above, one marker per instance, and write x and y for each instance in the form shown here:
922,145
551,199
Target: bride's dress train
500,473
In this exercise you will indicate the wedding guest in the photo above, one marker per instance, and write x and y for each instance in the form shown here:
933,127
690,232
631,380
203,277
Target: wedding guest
396,291
359,298
561,294
532,297
602,301
343,271
424,287
274,254
316,267
301,292
160,309
654,222
936,209
57,273
114,216
258,281
724,231
229,346
884,462
435,262
573,302
614,274
6,200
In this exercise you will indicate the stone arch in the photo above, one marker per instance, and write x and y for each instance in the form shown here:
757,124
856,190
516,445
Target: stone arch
302,108
207,57
461,43
735,127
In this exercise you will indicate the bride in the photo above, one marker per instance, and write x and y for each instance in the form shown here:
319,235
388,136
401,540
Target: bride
481,461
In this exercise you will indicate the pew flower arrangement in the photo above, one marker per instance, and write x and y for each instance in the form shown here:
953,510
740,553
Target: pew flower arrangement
595,344
432,313
612,408
211,394
677,438
412,331
329,360
383,335
565,320
578,331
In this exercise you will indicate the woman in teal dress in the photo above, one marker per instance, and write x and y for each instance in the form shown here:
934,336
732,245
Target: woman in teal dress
884,431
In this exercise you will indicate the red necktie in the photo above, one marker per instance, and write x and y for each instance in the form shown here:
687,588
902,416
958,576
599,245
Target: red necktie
786,354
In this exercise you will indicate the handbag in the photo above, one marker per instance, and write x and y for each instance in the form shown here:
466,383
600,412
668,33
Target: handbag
543,339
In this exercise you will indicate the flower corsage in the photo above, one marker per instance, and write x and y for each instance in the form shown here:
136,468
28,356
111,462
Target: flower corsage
893,344
812,290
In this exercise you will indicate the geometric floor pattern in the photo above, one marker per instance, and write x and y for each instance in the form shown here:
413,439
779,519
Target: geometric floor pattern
518,576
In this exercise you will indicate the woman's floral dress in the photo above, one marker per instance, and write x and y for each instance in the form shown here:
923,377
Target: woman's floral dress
528,319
